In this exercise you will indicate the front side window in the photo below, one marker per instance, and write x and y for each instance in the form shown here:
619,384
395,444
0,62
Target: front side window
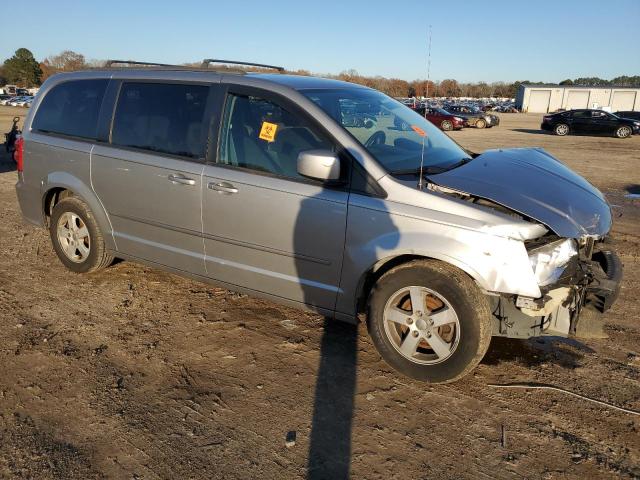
260,135
164,118
399,138
71,108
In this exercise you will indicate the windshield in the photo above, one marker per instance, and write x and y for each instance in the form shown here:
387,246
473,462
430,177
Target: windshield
394,134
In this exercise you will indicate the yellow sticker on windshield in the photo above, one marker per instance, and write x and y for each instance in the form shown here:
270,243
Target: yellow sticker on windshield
419,131
268,131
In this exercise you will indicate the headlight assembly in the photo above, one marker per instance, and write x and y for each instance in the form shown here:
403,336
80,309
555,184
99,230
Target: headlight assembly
549,261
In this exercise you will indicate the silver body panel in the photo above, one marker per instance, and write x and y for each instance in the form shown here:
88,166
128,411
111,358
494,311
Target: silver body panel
292,241
152,216
276,236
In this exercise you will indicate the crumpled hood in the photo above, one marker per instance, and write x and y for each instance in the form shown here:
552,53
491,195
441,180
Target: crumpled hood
536,184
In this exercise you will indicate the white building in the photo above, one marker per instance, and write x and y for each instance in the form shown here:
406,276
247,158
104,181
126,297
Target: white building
543,99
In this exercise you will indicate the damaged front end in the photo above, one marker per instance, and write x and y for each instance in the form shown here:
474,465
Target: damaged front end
578,277
583,283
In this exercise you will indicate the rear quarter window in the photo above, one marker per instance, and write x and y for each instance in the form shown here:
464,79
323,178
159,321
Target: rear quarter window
71,108
164,118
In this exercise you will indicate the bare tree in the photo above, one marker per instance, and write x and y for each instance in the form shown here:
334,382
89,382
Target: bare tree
66,61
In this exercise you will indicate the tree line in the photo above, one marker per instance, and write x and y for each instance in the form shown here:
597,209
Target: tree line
24,70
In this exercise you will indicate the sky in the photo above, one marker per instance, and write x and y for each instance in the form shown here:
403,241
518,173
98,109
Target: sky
489,40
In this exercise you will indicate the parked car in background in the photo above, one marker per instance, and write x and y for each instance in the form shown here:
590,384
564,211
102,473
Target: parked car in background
590,122
7,101
22,102
27,102
628,114
442,119
17,101
474,116
4,97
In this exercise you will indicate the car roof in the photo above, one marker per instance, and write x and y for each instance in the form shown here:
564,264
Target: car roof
296,82
303,82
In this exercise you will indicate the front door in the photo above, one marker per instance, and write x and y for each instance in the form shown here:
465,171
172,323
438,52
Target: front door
602,122
149,176
265,227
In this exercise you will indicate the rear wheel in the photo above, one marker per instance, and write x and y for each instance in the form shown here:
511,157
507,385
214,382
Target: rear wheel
446,125
76,237
481,123
623,132
561,129
429,321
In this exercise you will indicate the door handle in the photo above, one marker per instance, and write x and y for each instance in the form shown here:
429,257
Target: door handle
222,187
181,179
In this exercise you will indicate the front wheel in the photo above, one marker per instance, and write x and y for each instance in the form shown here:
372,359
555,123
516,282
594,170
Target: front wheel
76,237
429,321
623,132
481,123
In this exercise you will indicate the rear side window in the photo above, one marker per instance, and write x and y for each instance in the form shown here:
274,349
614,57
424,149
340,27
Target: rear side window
71,108
165,118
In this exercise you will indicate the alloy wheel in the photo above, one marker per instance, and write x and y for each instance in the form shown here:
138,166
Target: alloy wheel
73,237
623,132
421,325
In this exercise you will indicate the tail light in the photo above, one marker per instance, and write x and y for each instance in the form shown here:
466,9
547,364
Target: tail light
18,153
546,119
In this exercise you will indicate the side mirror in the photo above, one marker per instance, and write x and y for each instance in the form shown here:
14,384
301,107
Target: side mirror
323,165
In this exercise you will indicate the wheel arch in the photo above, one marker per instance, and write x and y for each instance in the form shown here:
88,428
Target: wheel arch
61,185
369,278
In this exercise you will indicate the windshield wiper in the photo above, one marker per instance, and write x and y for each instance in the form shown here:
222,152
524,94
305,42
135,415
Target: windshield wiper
458,164
416,171
431,170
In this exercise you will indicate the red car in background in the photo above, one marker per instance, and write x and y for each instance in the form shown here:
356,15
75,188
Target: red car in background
442,119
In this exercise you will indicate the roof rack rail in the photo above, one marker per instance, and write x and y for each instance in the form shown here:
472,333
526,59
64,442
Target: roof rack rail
207,61
109,63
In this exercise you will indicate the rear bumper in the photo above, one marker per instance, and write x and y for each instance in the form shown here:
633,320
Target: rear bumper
29,201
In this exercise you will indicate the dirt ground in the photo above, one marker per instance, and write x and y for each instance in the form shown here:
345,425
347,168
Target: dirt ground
137,373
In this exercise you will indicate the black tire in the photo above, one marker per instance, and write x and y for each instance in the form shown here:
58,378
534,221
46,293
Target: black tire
465,298
98,257
446,125
561,129
623,132
481,123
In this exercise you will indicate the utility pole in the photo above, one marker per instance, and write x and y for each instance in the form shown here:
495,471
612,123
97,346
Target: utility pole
429,64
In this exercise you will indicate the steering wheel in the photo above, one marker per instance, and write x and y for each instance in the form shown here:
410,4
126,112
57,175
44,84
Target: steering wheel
378,138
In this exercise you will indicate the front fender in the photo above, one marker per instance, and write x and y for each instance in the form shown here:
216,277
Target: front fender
496,263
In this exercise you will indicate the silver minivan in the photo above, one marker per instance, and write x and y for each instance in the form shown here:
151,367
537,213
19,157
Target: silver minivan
319,194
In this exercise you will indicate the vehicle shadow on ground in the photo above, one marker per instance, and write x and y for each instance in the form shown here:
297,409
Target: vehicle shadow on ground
330,442
529,130
334,403
564,352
